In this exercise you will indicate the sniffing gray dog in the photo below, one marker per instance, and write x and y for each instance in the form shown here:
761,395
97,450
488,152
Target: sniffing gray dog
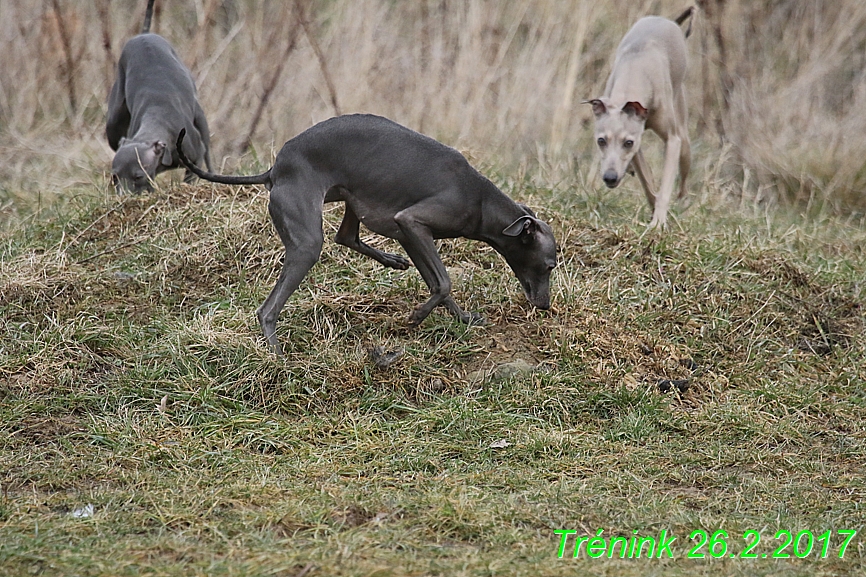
152,99
402,185
645,90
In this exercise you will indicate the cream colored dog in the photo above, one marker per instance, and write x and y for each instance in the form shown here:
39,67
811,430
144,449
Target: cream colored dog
645,90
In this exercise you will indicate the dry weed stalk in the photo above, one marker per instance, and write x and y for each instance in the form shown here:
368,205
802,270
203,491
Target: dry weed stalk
202,36
103,8
303,19
564,112
246,142
70,62
714,11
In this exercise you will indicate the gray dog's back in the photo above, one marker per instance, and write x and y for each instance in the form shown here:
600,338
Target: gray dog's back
164,66
377,157
158,92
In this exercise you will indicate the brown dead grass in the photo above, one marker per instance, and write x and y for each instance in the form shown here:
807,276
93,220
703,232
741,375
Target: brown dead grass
503,79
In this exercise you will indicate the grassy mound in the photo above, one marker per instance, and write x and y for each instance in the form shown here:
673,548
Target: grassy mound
707,378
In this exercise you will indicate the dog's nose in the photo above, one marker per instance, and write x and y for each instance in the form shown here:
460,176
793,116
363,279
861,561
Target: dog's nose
610,178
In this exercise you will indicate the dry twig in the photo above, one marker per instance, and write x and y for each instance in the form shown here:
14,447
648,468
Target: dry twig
69,60
323,64
268,90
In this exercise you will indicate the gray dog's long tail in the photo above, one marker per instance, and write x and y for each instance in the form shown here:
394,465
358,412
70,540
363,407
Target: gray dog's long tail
263,178
686,15
148,15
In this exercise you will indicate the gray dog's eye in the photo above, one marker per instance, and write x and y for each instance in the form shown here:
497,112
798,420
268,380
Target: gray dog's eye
602,142
628,143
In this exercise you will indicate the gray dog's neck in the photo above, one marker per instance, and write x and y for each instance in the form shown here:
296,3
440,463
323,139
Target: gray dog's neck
151,127
498,211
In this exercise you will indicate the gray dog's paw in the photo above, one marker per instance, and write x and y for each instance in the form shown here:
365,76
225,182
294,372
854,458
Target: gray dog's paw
474,319
415,318
382,358
395,261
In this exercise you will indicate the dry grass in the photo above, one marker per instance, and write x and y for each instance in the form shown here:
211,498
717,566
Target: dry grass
502,79
795,110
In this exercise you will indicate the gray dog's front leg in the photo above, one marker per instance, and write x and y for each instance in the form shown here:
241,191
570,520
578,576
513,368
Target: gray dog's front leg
419,245
117,124
469,318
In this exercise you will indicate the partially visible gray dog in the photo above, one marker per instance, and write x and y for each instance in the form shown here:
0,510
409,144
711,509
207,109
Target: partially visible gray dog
400,184
645,90
152,99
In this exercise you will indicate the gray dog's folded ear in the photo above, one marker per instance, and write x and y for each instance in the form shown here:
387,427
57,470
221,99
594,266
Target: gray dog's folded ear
163,151
524,224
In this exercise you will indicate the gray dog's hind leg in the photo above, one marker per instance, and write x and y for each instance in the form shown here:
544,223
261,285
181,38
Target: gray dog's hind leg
303,238
348,236
200,123
419,245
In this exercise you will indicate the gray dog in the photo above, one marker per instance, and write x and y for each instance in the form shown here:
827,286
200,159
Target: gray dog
152,99
402,185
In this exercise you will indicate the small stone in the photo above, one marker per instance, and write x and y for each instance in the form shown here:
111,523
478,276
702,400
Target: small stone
512,369
476,377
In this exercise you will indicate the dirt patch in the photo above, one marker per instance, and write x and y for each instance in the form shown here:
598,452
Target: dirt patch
40,430
832,321
778,269
506,342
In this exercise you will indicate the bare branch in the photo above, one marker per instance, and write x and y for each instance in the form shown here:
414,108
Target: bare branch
69,60
323,64
268,90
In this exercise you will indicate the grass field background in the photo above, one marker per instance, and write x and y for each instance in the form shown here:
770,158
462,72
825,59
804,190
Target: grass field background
707,378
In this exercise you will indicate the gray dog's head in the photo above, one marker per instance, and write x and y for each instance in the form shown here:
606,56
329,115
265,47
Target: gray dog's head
136,164
618,134
530,251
